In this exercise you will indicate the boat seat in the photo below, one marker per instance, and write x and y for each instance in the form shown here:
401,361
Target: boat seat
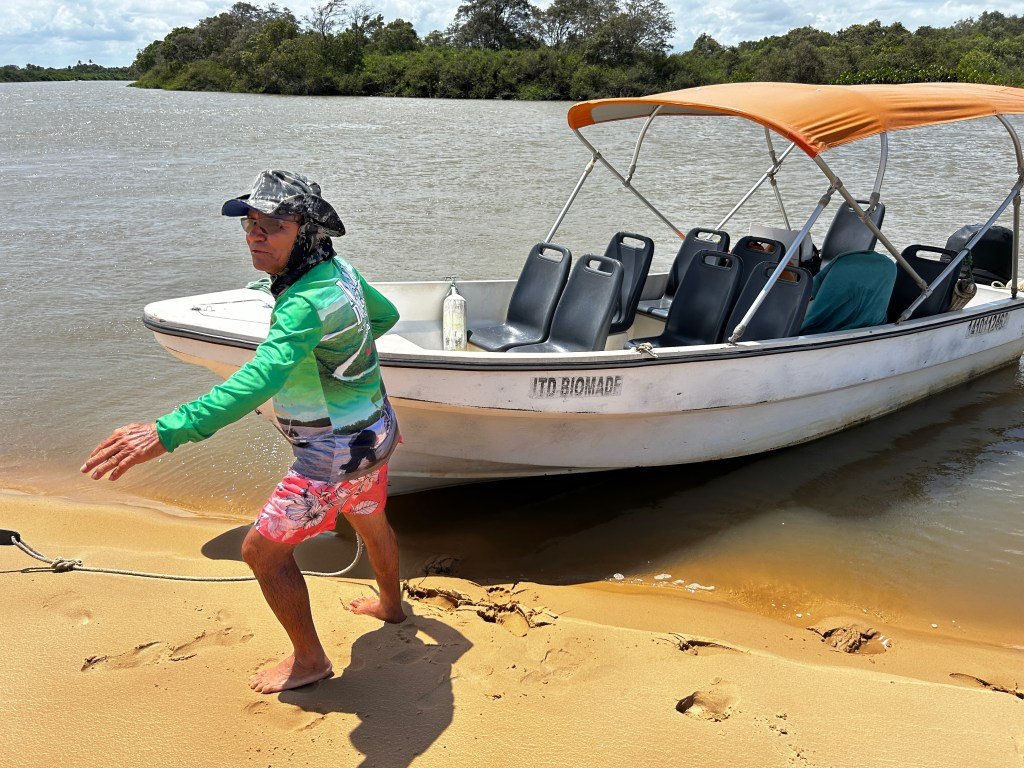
533,302
783,310
584,312
752,250
636,264
991,257
851,291
696,240
906,291
807,257
847,232
704,297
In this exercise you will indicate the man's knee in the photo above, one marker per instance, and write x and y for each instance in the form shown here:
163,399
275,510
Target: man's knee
260,553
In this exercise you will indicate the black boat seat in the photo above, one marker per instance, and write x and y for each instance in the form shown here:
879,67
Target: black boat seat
752,250
783,310
636,264
806,257
848,233
533,302
991,256
696,240
906,291
703,299
584,312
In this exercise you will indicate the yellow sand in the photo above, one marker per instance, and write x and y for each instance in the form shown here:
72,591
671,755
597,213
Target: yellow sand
112,671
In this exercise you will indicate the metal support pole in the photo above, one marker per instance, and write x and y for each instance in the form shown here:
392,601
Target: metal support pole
869,223
601,159
1016,244
1016,202
741,328
572,198
883,159
771,176
756,186
639,142
955,263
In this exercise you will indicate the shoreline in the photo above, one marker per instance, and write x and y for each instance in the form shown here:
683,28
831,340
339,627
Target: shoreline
104,497
506,673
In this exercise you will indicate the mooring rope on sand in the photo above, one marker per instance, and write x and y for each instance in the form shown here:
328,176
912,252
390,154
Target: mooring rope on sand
63,565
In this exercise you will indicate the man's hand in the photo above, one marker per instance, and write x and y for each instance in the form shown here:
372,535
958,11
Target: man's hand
130,445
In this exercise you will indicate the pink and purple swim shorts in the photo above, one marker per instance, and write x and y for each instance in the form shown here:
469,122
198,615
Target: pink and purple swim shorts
300,507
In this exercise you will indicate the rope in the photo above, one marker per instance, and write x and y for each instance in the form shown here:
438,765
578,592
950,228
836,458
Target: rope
63,565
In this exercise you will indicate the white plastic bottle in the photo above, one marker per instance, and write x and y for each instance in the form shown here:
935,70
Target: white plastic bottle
453,320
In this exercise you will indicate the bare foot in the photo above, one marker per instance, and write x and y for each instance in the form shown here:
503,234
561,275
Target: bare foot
289,674
372,606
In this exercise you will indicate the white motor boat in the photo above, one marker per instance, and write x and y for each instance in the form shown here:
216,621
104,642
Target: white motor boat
719,365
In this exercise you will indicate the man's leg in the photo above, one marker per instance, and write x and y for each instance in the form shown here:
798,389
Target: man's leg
382,547
285,591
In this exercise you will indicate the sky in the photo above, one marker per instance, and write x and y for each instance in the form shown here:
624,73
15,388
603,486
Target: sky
110,32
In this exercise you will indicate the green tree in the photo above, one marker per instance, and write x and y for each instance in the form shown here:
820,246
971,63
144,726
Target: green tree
569,22
495,24
641,29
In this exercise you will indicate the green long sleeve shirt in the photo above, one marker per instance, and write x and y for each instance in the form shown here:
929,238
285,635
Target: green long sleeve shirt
318,364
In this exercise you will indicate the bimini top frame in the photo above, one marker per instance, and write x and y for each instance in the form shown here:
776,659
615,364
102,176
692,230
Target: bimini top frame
816,118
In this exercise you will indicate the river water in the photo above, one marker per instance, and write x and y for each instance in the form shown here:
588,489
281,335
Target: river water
111,198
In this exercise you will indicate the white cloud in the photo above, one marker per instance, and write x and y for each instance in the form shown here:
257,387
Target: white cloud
110,32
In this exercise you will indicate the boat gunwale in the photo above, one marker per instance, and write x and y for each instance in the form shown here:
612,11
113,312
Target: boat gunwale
665,355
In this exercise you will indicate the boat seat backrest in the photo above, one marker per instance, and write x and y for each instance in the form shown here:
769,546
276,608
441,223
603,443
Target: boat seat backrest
697,240
539,285
532,306
634,253
991,256
705,296
848,233
584,311
851,291
752,250
929,267
783,310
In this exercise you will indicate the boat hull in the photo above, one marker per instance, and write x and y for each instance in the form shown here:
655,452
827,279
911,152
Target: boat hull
475,417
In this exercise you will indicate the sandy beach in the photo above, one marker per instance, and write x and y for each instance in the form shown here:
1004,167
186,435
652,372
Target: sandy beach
115,671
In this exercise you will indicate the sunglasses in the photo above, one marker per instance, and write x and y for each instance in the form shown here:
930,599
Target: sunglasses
267,224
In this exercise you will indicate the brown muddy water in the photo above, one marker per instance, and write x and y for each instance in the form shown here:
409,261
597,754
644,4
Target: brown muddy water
111,198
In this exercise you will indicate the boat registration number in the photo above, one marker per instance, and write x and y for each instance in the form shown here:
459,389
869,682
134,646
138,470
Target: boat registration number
575,386
988,324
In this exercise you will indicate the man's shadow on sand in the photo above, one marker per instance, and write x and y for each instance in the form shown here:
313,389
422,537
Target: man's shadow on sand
399,679
399,684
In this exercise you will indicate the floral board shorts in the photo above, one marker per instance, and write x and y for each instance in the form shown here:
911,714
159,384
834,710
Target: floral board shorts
300,507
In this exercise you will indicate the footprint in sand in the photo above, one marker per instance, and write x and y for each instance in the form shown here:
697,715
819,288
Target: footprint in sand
715,705
69,604
145,653
284,716
557,664
972,680
226,636
156,652
696,646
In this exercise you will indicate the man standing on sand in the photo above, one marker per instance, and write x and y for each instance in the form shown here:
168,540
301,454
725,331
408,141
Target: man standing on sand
319,364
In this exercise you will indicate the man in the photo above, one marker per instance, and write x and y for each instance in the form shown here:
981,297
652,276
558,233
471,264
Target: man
319,365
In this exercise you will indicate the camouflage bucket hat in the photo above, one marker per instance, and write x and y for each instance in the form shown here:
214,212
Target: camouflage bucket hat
283,193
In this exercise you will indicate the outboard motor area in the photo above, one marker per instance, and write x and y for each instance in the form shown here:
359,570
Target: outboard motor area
992,255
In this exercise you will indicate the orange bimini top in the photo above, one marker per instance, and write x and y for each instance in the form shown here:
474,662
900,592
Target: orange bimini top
817,117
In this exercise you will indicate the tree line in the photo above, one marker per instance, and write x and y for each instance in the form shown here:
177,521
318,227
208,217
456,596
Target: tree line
30,73
573,49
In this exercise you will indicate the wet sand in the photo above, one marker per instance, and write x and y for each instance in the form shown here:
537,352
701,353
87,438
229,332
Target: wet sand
118,671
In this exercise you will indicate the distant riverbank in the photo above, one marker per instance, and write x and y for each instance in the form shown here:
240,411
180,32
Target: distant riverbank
560,53
11,73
